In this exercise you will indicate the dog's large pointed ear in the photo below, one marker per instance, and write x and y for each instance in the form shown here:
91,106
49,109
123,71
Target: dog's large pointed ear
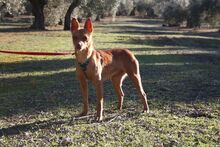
74,24
88,25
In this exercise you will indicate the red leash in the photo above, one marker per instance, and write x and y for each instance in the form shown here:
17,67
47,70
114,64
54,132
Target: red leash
37,53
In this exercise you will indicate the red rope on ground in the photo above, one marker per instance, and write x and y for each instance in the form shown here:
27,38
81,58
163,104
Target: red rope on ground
37,53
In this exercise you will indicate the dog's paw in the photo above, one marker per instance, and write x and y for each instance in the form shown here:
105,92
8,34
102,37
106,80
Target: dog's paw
146,111
99,118
82,114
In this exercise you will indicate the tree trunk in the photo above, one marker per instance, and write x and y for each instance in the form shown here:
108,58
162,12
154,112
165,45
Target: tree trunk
67,20
115,8
98,17
37,10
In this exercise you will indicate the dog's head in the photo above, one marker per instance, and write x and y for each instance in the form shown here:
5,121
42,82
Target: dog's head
82,38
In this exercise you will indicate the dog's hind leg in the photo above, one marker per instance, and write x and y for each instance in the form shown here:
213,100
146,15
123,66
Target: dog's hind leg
134,75
136,79
117,84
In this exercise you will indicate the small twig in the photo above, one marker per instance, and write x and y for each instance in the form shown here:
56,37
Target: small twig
82,117
112,119
79,118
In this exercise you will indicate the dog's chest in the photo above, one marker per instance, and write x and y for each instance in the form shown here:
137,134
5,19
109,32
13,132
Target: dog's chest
102,66
100,70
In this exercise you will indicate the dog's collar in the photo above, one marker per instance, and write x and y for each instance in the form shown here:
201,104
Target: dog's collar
83,66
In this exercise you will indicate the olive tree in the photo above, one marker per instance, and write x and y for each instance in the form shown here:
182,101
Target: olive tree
38,12
174,14
200,11
125,8
99,8
194,12
67,18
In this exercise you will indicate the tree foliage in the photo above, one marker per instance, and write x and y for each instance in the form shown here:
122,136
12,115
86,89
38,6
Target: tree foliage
203,11
54,12
174,14
99,8
12,8
194,12
125,8
144,8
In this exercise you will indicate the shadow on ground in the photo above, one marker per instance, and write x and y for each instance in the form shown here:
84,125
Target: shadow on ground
166,77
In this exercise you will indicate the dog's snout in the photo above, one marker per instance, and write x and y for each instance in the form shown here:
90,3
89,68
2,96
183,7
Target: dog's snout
79,45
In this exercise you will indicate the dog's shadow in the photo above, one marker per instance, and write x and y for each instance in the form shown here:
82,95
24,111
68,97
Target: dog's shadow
88,119
21,128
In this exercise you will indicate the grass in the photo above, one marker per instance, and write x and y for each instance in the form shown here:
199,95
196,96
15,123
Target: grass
180,70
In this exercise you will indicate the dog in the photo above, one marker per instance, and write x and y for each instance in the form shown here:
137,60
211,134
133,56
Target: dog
101,65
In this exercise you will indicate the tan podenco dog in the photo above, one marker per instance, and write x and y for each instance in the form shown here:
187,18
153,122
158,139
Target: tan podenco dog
101,65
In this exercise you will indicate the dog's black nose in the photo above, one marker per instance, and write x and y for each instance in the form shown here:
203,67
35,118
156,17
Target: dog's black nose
78,46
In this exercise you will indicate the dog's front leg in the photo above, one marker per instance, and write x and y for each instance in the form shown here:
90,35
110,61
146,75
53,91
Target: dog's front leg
84,91
99,99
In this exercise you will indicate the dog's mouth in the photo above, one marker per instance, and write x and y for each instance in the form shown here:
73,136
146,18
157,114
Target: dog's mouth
79,49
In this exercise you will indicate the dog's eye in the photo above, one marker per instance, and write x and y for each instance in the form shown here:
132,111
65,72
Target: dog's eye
84,38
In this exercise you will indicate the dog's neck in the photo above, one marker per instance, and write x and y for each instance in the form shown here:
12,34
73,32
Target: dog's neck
84,55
